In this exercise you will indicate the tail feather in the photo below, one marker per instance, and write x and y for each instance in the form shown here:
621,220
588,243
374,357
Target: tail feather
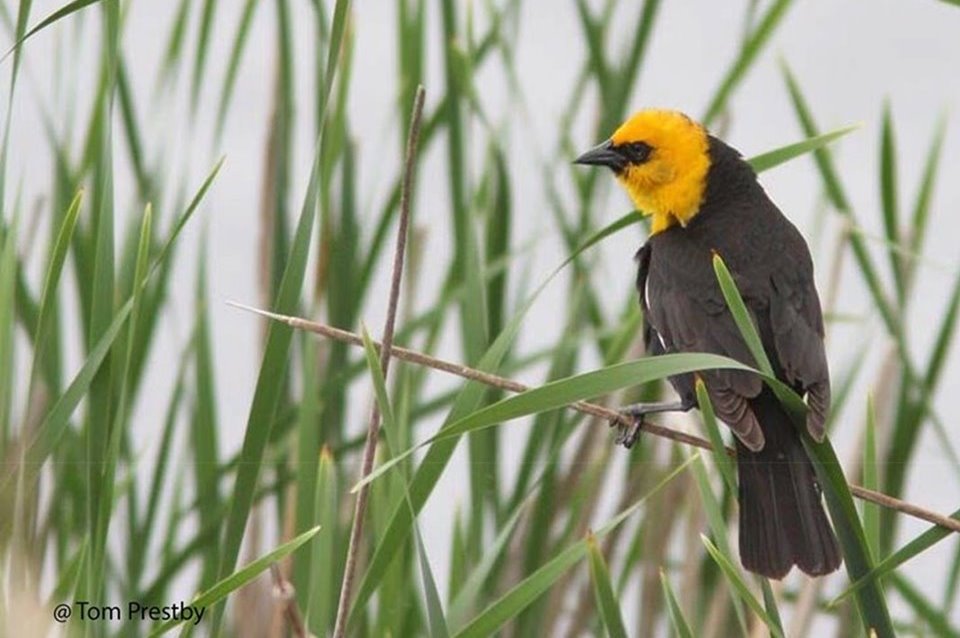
782,521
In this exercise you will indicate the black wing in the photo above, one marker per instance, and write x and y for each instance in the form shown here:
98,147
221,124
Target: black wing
796,324
773,270
686,313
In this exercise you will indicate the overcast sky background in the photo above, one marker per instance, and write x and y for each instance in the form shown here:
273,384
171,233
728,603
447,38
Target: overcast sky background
848,57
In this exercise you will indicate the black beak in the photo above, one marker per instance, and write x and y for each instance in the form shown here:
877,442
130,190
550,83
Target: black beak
603,155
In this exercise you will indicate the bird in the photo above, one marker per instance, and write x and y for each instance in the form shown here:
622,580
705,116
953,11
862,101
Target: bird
704,199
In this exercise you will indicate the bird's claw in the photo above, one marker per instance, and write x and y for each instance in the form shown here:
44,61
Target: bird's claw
628,433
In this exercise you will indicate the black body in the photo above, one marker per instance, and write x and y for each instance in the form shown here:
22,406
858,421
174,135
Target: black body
782,521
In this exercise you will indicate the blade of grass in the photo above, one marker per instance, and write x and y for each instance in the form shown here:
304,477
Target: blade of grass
322,584
56,16
455,156
942,344
174,48
437,622
635,59
68,577
953,578
563,392
871,513
497,236
102,393
770,604
435,616
139,539
470,589
310,448
241,577
838,198
718,526
741,314
921,209
51,283
203,45
740,586
746,57
935,618
723,461
748,329
679,622
603,381
203,432
603,590
775,157
593,32
23,16
888,199
233,67
8,272
458,555
915,547
337,32
132,133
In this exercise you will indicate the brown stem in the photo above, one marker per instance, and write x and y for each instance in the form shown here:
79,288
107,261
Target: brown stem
373,425
284,592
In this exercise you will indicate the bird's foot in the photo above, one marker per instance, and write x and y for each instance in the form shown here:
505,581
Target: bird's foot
628,428
633,416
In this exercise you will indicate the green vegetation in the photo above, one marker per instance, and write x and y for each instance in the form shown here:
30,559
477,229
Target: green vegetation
577,538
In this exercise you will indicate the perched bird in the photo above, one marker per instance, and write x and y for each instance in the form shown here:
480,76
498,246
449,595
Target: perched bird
704,199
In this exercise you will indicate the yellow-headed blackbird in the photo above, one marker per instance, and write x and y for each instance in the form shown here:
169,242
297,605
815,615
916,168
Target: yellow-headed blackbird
705,199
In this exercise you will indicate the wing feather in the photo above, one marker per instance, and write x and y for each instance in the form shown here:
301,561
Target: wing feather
691,318
797,325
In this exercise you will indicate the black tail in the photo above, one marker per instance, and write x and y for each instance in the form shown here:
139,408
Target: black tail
782,522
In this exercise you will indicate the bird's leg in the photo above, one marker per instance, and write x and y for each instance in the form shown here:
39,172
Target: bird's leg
627,434
639,410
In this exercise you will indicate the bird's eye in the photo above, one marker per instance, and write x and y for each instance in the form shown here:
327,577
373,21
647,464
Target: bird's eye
636,152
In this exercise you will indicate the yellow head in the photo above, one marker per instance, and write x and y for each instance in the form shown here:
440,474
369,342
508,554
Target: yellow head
661,158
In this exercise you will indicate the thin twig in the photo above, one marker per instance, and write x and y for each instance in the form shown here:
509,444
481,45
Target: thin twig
614,417
412,356
373,425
